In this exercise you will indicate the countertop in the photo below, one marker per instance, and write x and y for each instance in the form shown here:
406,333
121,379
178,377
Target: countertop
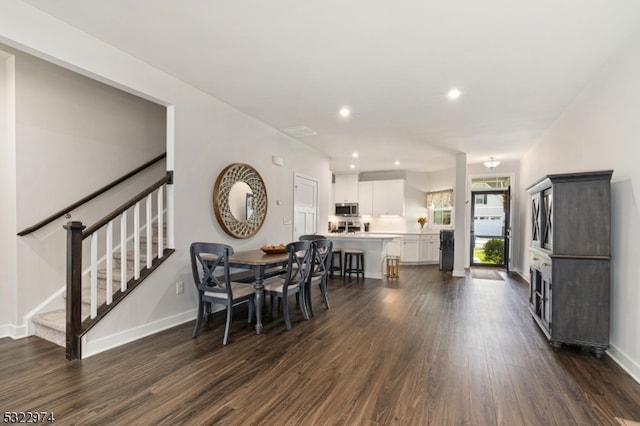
362,236
383,234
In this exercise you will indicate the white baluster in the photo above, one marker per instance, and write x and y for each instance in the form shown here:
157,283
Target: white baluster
94,275
123,251
149,226
109,262
136,241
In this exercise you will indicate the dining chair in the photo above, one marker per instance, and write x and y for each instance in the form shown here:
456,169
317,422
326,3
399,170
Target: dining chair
210,268
322,255
293,282
334,252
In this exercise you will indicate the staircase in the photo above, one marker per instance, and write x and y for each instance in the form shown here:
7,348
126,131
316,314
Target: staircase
51,325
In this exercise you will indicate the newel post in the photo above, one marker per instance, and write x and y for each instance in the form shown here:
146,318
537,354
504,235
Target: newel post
74,288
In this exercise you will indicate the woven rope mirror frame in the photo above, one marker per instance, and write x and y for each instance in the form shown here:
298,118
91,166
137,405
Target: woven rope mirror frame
256,201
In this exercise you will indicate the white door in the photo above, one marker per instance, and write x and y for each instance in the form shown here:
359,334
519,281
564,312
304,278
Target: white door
305,206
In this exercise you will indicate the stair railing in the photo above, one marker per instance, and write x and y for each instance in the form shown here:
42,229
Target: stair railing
149,216
90,197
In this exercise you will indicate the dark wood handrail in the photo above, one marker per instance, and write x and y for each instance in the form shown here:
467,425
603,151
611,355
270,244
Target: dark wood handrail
167,179
89,197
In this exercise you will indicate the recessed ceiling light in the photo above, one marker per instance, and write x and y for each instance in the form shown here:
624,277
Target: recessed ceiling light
354,155
345,112
454,94
353,166
397,163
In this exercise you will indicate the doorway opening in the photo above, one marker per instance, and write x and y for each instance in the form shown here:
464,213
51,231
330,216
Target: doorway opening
490,208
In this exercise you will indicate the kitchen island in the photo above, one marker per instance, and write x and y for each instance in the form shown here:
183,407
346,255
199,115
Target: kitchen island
374,245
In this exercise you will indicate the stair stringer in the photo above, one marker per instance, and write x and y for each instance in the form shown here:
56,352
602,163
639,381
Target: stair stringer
142,313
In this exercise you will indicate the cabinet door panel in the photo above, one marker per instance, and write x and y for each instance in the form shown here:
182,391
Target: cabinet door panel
345,189
536,218
365,198
388,197
410,250
429,248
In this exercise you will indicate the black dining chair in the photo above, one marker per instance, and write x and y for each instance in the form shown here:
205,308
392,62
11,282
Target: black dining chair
210,268
322,255
293,282
334,253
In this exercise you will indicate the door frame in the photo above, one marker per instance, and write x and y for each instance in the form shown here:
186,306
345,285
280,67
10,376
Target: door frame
506,231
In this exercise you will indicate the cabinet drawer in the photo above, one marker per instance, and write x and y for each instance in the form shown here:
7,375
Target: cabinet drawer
541,263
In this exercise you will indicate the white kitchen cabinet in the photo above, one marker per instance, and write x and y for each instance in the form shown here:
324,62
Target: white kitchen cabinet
429,248
410,249
388,197
345,189
365,198
416,248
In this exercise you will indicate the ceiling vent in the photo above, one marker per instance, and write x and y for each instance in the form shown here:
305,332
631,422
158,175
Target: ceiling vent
298,131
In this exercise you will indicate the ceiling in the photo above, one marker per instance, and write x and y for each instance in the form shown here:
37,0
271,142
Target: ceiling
296,63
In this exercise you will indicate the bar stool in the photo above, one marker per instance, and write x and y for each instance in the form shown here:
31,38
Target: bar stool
393,266
349,254
336,262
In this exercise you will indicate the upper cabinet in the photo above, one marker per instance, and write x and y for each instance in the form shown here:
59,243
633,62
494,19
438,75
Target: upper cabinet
345,189
374,198
365,198
388,197
570,213
381,197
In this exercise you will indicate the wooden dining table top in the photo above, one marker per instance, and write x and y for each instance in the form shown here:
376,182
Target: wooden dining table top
253,258
257,257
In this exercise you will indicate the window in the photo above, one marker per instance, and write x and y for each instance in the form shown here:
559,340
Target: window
491,182
481,199
440,205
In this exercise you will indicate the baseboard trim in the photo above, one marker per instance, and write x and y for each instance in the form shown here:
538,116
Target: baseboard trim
15,332
458,273
4,331
93,347
625,362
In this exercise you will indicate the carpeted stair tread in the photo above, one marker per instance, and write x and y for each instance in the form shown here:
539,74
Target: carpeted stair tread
53,319
51,325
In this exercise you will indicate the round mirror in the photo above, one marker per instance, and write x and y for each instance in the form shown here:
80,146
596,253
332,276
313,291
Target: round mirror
240,200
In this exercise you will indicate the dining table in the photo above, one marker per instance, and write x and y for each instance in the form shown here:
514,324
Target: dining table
260,263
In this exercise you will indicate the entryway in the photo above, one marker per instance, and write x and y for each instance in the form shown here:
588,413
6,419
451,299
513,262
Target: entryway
490,207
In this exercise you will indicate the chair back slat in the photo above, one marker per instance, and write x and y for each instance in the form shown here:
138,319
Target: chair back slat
210,267
299,264
322,250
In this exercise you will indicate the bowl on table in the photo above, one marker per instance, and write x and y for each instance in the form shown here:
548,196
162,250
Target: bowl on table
274,249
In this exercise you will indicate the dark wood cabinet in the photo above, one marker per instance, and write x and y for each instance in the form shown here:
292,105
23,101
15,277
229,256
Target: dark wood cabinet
570,258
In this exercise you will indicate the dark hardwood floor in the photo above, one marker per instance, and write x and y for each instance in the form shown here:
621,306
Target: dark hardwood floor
423,349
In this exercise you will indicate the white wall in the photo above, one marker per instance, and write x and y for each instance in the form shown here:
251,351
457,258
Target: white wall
208,136
73,136
65,120
600,130
7,194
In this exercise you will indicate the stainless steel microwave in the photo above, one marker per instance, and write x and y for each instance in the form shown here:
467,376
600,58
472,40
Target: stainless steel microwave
347,209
